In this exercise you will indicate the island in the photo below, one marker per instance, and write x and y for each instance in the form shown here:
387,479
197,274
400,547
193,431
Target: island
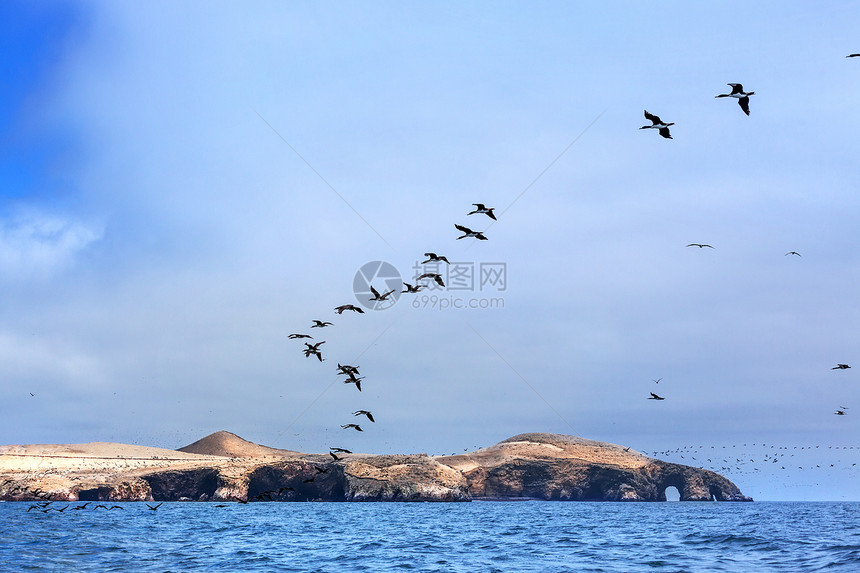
224,467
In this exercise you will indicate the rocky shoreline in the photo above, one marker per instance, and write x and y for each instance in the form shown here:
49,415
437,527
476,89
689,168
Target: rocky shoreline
224,467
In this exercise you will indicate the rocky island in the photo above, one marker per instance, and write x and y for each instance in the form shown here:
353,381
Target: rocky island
225,467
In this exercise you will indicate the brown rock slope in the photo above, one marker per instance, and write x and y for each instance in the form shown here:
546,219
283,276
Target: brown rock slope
559,467
225,467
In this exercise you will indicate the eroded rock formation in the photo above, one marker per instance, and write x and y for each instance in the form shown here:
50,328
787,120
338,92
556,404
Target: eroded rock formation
224,467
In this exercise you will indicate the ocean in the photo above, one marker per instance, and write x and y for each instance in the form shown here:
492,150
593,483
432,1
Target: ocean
445,537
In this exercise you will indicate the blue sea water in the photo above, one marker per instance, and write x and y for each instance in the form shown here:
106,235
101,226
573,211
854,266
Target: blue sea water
455,537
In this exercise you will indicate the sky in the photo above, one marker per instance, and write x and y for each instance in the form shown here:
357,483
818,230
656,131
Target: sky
185,184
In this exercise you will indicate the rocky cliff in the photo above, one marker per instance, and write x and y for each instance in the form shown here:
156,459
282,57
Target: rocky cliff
225,467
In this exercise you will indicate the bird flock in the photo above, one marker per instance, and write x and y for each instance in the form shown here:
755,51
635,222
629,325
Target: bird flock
351,372
743,98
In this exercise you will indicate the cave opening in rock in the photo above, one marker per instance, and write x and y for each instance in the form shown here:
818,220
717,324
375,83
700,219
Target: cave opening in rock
672,494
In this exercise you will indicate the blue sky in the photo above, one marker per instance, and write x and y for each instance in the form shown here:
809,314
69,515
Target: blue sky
159,238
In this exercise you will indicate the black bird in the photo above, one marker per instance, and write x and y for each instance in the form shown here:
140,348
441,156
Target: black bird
313,349
380,297
467,232
321,324
80,506
434,258
117,507
791,253
343,307
340,450
481,210
841,367
700,245
742,96
839,412
658,124
853,56
153,508
346,369
294,336
411,289
435,276
356,427
364,413
334,457
657,381
656,397
354,380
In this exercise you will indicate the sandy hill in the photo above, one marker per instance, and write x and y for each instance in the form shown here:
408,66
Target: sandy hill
230,445
542,446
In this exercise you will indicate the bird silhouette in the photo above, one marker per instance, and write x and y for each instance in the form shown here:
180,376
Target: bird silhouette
380,297
364,413
841,367
153,508
411,289
656,397
481,210
658,124
434,258
321,324
340,450
435,276
742,96
343,307
700,245
467,232
791,253
295,336
356,427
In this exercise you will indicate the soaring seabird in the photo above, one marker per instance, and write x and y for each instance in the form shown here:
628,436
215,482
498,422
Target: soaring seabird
480,209
352,307
294,336
467,232
791,253
658,124
380,297
435,276
655,397
340,450
321,324
853,56
742,96
364,413
346,368
313,349
434,258
153,508
410,288
334,457
840,367
353,380
700,245
356,427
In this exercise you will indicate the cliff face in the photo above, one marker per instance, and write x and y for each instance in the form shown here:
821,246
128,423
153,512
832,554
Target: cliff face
566,468
227,468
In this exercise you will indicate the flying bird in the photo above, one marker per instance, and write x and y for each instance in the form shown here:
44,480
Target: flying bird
380,297
435,276
334,457
657,381
411,289
313,349
295,336
153,508
364,413
853,56
481,210
340,450
321,324
467,232
434,258
841,367
346,369
356,427
354,380
791,253
352,307
656,397
700,245
839,412
658,124
742,96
